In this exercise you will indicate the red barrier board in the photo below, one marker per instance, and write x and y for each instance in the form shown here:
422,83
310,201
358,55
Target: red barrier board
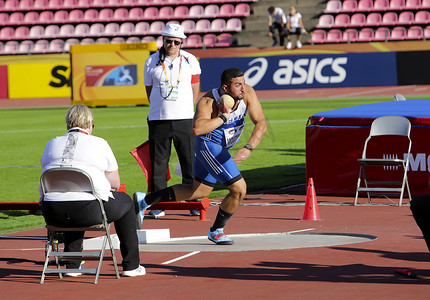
4,94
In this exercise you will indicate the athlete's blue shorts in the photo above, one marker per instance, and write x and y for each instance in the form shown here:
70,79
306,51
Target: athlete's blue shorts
214,163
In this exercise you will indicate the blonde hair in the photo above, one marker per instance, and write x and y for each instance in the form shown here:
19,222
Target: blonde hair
79,116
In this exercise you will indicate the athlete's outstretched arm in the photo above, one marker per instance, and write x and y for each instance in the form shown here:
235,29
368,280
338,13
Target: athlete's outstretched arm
256,115
203,121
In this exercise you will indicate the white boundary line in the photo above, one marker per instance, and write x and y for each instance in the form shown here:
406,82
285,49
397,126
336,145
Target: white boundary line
180,257
296,231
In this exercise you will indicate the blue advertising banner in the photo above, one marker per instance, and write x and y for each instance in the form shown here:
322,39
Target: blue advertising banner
306,71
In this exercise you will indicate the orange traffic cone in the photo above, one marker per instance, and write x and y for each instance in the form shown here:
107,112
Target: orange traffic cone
311,212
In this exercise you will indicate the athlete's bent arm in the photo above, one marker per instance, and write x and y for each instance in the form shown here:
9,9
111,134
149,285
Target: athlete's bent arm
256,115
203,122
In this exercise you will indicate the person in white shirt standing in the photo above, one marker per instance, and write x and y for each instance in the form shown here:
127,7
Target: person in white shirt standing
294,26
277,20
171,78
78,148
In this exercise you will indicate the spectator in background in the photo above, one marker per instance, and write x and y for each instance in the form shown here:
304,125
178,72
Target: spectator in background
277,20
294,26
172,78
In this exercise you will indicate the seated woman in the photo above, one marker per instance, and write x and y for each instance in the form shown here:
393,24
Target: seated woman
78,148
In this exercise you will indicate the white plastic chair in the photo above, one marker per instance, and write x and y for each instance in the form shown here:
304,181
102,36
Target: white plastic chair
64,180
385,126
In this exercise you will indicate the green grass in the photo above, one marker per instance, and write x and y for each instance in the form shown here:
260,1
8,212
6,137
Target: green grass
279,160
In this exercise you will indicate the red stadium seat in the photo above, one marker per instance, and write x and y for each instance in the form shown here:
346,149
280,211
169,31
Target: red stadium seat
148,39
46,17
114,3
133,39
120,14
427,33
130,2
61,16
11,47
55,4
36,32
81,30
358,20
211,11
31,17
342,20
99,3
334,36
398,34
11,5
4,19
333,6
350,35
66,30
105,15
87,41
224,40
126,28
77,15
7,33
193,41
84,3
406,18
226,10
25,47
189,26
202,26
156,27
319,36
349,6
21,33
25,4
382,34
196,11
181,12
374,19
52,31
165,13
1,43
415,33
422,17
366,35
16,18
102,40
136,13
111,29
365,5
242,10
151,13
144,2
40,4
173,22
69,43
96,29
413,4
209,40
218,25
425,4
234,24
41,46
70,4
117,40
56,46
91,15
381,5
141,28
397,4
389,18
325,21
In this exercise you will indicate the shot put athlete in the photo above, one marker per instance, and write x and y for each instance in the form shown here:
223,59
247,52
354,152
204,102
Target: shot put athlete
217,128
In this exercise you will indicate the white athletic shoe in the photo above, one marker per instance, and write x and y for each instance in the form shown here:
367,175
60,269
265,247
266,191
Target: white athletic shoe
140,271
289,45
299,44
72,274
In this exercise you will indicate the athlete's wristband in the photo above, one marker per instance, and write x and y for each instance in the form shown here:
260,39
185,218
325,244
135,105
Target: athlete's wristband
223,118
249,147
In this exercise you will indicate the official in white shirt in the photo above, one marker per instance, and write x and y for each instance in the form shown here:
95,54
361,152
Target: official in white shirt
171,78
277,20
78,148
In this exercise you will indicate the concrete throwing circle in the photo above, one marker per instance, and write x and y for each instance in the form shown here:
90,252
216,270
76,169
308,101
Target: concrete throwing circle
256,242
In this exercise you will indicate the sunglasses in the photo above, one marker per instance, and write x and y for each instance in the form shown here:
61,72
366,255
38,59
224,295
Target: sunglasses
177,43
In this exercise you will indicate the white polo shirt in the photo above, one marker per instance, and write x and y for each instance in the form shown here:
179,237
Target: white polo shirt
278,16
295,20
81,150
171,95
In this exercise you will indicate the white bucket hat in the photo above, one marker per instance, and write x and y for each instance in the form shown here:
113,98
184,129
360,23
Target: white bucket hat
174,30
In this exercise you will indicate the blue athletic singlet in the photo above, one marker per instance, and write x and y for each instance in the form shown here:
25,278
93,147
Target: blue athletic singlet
213,161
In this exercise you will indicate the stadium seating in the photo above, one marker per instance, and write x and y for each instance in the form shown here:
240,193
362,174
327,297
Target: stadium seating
413,4
415,33
21,33
350,35
397,4
319,36
224,40
333,6
406,18
382,34
365,5
389,19
365,35
422,17
218,25
398,33
334,36
193,41
325,21
25,47
381,5
342,20
234,25
349,6
209,40
358,20
373,19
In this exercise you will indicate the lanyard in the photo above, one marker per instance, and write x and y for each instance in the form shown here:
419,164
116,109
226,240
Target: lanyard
180,71
78,130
